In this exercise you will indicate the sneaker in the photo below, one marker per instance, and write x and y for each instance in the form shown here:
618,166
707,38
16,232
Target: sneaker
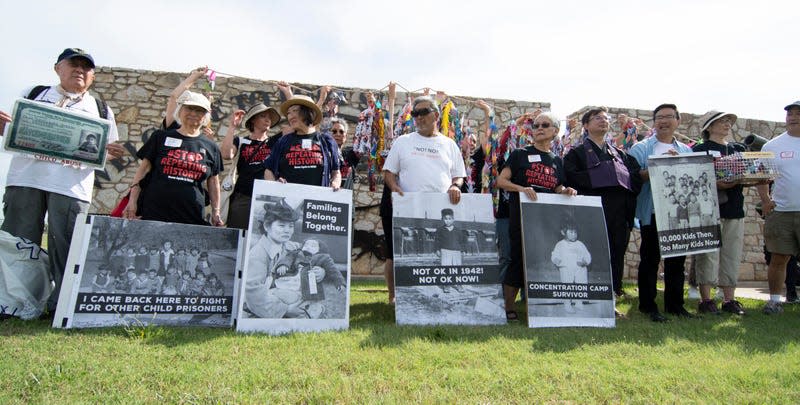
734,307
694,294
773,307
707,307
792,299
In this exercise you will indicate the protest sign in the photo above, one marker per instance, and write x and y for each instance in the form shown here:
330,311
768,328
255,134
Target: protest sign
297,266
43,130
567,261
446,267
686,203
122,272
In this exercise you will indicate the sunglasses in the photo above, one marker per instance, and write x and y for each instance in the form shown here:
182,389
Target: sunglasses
422,112
542,126
337,131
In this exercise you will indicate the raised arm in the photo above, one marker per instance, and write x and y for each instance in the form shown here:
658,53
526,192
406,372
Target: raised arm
285,89
186,84
228,148
486,131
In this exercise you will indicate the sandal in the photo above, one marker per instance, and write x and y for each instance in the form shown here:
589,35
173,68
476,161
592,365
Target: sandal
512,316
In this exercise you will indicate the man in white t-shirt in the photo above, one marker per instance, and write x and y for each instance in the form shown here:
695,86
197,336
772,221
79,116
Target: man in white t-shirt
422,161
782,208
40,185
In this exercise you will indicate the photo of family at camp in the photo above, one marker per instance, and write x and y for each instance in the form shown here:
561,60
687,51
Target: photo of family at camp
291,273
129,260
687,196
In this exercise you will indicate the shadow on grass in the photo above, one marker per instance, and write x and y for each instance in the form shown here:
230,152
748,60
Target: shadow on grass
748,332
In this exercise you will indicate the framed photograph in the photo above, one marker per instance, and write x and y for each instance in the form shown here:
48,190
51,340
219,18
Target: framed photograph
686,203
567,262
44,130
446,265
123,272
297,266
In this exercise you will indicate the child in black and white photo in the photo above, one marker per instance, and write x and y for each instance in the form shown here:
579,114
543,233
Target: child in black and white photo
449,240
101,280
571,258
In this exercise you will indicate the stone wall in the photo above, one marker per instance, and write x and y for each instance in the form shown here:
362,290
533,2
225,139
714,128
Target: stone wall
753,267
139,99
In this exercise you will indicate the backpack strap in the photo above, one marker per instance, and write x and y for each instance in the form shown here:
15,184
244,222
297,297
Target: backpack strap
102,107
36,91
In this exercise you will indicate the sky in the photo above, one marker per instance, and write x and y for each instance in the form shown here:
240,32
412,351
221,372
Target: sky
737,56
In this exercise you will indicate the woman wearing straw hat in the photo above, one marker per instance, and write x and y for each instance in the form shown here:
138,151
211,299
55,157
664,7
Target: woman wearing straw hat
304,156
179,161
721,267
253,150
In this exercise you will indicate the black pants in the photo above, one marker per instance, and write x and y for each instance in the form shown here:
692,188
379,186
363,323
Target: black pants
648,273
618,236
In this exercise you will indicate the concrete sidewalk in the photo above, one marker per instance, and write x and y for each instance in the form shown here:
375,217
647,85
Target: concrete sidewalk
757,290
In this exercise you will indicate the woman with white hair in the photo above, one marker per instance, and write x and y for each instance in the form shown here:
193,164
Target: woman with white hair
178,161
529,170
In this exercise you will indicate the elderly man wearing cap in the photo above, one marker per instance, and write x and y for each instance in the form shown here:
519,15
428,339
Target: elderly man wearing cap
179,161
664,142
41,185
304,156
253,150
782,207
721,267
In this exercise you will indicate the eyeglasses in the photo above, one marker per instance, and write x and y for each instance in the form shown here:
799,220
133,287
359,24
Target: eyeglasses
542,126
422,112
665,117
337,131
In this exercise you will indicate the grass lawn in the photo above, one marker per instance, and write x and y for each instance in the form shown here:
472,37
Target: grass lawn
716,359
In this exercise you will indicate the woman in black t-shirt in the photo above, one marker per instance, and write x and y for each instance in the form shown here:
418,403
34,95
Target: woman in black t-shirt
179,161
529,170
253,150
305,156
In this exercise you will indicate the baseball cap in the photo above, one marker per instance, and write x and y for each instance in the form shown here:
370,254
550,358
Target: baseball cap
70,53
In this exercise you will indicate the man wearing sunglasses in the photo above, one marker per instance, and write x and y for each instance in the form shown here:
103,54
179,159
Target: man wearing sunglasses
422,161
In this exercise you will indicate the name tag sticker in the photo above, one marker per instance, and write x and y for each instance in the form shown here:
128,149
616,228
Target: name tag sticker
172,142
306,144
534,158
244,141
